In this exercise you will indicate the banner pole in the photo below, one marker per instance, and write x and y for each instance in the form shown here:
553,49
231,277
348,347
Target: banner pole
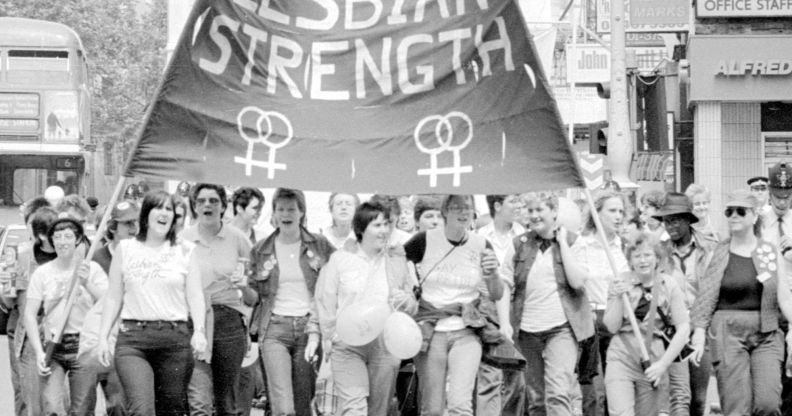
645,359
57,335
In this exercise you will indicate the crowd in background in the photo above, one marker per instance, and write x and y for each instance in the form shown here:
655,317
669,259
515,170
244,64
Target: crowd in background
536,306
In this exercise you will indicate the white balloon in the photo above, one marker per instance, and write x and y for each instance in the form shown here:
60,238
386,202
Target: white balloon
360,323
569,215
251,356
402,336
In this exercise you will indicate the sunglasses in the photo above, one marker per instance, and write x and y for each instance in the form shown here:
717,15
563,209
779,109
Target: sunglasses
741,211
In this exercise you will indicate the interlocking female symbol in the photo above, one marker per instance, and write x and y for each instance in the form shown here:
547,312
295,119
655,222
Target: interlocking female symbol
263,137
444,141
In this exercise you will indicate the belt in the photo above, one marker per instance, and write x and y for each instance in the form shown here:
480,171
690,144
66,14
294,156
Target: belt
157,324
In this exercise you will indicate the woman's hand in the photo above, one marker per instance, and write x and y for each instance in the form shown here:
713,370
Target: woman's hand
619,287
655,372
103,353
198,344
489,263
697,342
312,347
41,363
84,271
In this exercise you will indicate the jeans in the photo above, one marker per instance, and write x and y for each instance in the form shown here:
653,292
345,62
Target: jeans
19,403
154,362
29,380
688,385
365,378
550,357
245,390
628,389
747,364
213,386
82,381
115,401
454,355
594,400
290,379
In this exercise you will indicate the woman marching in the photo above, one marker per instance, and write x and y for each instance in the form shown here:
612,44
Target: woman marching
285,269
49,288
365,376
342,209
737,313
157,292
657,302
455,267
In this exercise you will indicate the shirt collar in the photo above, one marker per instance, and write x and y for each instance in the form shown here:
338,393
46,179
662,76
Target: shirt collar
193,235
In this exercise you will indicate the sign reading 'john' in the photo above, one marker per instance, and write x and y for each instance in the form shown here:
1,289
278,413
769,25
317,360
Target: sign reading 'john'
393,96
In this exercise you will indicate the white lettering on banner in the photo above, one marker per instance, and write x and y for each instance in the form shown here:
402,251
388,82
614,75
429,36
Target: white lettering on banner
263,134
746,67
444,134
388,60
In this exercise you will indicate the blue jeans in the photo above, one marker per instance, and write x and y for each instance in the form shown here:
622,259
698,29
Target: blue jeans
365,378
457,355
29,380
290,379
82,381
154,362
550,357
216,382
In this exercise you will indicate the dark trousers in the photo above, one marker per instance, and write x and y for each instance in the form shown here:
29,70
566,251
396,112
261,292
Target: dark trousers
214,385
594,403
154,362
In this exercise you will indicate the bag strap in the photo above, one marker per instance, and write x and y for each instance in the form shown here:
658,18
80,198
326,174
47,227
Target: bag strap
445,256
652,310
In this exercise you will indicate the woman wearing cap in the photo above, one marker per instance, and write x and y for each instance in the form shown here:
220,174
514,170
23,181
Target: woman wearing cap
157,292
221,252
365,375
454,265
49,288
737,313
286,267
657,301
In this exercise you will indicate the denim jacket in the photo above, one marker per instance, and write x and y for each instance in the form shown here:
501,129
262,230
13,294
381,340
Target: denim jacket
765,259
315,251
575,303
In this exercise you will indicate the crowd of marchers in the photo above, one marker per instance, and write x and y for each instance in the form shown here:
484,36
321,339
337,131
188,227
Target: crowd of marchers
539,306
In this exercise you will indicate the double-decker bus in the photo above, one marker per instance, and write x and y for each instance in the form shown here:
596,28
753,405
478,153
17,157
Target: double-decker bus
44,109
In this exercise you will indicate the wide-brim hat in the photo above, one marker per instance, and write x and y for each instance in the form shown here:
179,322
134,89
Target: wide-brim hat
676,204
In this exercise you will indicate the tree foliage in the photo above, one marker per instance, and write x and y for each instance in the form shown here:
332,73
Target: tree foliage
124,41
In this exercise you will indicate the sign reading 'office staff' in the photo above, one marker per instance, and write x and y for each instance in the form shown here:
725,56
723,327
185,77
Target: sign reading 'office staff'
743,8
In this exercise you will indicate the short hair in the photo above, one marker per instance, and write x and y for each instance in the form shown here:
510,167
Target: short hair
492,200
695,189
599,201
365,214
641,239
33,205
156,199
447,201
548,198
423,204
243,196
390,202
221,193
67,223
75,202
335,194
288,194
654,199
41,220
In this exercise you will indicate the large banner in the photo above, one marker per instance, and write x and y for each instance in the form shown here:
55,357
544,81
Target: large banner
389,96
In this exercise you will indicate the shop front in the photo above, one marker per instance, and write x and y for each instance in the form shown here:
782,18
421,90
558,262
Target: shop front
741,92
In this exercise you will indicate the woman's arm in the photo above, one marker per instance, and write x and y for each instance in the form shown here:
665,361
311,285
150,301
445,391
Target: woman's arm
489,270
679,317
31,327
114,298
197,307
95,280
576,275
614,311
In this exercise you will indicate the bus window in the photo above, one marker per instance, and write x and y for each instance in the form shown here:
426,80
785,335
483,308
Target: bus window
61,115
30,183
37,67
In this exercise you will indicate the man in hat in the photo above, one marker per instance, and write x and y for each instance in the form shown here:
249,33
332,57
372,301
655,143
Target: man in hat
690,252
758,185
777,222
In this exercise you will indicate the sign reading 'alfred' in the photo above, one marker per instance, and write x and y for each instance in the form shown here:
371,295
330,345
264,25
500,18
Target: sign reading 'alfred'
743,8
748,67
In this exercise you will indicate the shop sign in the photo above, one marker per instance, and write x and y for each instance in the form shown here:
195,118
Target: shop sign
660,16
740,68
743,8
590,63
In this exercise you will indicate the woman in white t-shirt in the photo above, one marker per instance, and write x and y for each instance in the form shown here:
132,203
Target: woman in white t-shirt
158,293
455,267
49,287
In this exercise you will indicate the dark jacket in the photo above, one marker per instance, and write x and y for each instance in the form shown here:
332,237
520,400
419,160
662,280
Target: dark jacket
575,303
315,250
479,315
